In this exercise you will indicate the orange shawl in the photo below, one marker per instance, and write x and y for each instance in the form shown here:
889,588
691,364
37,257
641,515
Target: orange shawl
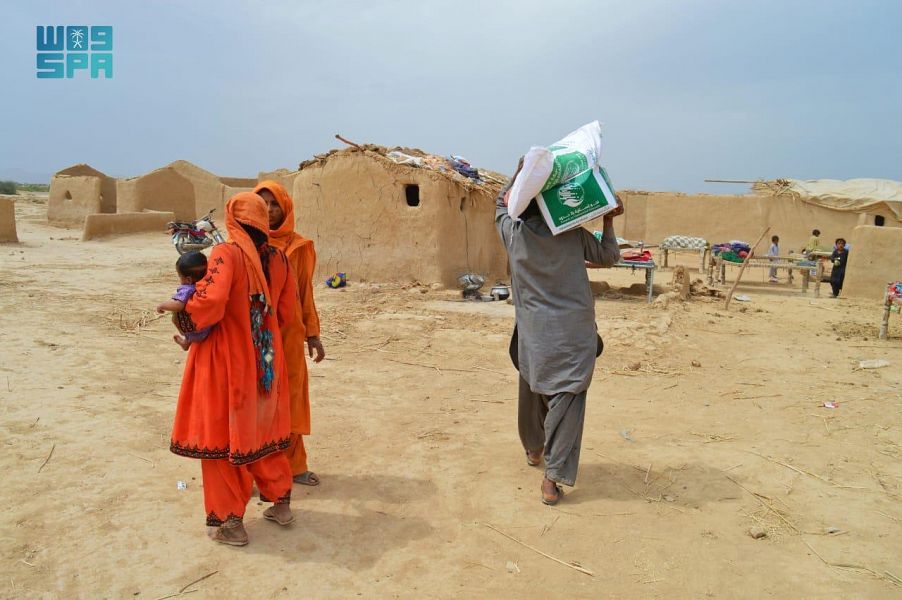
284,237
248,208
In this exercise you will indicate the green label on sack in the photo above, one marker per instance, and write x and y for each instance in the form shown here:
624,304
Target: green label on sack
567,165
584,197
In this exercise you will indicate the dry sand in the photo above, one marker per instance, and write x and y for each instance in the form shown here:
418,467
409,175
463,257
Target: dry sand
421,461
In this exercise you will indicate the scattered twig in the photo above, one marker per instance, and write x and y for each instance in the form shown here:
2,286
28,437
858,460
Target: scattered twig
823,560
757,397
440,369
646,474
198,580
803,472
548,527
618,514
430,433
490,371
46,460
897,519
822,307
571,564
885,576
177,595
148,461
713,437
882,346
35,423
413,364
761,499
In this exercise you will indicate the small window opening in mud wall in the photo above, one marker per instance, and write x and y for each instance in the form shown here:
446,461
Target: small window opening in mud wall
68,195
412,194
879,220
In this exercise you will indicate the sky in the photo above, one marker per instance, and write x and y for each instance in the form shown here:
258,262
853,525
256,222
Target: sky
685,90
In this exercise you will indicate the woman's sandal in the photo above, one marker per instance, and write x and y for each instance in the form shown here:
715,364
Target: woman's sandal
532,462
306,478
231,533
559,493
270,515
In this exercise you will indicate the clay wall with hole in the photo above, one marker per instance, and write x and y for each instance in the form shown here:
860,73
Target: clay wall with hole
72,198
107,184
379,221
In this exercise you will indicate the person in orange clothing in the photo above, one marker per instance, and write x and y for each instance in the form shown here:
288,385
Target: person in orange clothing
305,327
233,408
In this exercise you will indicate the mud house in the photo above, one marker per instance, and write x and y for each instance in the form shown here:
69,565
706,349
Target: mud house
379,220
78,191
181,188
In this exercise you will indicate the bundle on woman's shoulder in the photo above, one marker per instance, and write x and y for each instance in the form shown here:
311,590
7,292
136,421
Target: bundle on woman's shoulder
567,181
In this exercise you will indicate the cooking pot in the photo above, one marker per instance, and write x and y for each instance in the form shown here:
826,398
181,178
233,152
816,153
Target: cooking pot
501,291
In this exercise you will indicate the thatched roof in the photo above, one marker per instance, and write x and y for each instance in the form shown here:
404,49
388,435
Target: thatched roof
489,181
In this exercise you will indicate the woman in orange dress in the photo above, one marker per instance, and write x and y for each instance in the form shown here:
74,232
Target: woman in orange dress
305,327
233,407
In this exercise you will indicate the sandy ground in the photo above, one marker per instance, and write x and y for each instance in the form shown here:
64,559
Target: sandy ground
416,443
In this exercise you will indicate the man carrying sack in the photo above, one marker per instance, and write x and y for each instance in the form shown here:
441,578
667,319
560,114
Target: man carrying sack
556,338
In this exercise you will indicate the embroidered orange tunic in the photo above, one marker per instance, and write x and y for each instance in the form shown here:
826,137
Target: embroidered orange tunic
223,412
302,257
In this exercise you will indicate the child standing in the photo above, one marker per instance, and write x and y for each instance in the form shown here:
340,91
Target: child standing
774,252
814,242
191,268
839,257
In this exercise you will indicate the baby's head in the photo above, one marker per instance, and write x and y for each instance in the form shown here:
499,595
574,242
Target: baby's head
191,267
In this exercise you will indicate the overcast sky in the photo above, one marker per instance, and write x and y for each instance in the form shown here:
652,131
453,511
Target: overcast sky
686,90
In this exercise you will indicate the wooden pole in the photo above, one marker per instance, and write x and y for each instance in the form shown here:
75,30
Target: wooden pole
348,142
742,268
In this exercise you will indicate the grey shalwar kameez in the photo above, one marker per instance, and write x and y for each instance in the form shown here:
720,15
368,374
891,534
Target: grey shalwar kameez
555,315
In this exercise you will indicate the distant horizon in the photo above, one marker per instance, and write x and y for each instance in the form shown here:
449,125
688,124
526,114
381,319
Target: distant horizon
686,91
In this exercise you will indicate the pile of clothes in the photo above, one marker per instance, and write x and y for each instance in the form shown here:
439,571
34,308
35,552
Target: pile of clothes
734,251
437,163
635,255
894,292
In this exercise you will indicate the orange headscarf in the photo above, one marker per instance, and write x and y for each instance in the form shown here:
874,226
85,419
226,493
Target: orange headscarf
284,237
248,208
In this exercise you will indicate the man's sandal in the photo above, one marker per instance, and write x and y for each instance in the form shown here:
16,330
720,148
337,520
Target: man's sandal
559,493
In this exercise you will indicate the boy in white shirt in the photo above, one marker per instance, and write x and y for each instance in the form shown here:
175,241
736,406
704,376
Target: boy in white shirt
774,252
